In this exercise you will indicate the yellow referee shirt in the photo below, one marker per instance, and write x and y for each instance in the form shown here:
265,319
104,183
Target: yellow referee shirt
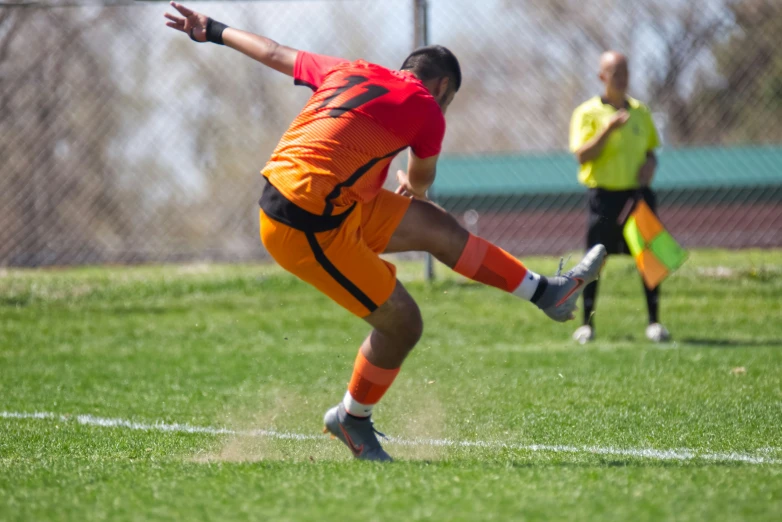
625,151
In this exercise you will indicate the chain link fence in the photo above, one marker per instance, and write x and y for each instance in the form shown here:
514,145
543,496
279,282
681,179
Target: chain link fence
124,142
709,70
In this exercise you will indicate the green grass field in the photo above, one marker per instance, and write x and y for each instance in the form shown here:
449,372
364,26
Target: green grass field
539,428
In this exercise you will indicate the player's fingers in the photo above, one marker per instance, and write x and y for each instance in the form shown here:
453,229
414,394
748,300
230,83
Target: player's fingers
182,9
176,25
403,189
174,18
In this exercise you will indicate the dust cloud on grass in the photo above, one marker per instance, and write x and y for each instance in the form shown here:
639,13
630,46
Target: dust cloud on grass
417,414
422,417
271,412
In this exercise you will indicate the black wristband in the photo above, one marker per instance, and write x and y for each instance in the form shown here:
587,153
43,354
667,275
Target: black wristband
214,31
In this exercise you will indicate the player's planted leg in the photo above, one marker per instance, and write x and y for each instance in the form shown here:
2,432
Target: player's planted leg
397,328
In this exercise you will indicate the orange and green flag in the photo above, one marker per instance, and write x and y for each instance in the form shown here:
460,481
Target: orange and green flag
656,253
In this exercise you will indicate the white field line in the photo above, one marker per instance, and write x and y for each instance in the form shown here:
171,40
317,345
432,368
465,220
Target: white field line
676,454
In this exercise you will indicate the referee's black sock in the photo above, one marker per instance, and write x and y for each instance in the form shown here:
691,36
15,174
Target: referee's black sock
590,300
652,303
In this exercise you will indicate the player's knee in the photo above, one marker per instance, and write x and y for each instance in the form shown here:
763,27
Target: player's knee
399,318
439,218
415,327
446,234
409,323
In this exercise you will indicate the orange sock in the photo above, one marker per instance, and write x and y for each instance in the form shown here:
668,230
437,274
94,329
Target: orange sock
489,264
367,386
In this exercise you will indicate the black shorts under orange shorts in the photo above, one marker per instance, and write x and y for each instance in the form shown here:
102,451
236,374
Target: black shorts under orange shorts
338,255
605,209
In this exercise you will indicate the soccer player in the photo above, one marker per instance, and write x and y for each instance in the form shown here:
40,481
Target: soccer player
326,218
613,138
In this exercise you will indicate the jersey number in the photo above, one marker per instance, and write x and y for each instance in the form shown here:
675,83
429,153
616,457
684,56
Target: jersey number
369,93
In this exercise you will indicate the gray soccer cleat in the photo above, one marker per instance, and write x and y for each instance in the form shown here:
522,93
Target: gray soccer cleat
559,298
359,435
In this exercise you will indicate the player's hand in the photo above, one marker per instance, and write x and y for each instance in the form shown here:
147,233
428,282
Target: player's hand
618,119
405,188
193,24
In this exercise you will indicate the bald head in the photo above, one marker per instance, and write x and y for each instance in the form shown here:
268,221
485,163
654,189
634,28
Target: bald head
612,59
614,74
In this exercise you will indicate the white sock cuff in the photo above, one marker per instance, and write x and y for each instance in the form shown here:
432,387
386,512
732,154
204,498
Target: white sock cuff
355,408
528,285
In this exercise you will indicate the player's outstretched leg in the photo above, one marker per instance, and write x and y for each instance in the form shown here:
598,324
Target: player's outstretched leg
429,228
397,328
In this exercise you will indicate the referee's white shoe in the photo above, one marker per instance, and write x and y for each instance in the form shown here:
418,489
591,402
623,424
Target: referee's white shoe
657,333
584,334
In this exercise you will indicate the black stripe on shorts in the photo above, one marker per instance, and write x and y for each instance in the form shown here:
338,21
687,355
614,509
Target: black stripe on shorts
338,276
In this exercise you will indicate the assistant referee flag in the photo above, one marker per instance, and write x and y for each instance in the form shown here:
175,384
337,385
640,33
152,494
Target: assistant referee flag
656,252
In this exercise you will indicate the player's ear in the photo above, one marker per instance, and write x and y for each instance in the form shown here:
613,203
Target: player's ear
442,86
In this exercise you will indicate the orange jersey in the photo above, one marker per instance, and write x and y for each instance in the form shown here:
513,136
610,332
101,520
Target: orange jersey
336,153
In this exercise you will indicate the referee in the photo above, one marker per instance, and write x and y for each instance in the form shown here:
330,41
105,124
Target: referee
613,137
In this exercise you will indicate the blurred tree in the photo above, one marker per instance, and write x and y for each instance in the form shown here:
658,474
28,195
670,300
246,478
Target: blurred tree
687,32
742,104
58,199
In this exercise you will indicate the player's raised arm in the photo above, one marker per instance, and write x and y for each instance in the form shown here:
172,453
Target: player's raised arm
201,29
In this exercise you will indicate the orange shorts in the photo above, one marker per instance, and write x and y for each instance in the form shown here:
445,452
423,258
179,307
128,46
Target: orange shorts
341,262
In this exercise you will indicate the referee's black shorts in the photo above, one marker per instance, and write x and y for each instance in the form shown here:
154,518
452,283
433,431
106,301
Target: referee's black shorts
606,207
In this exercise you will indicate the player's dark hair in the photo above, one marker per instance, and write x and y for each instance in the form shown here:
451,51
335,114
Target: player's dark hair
434,61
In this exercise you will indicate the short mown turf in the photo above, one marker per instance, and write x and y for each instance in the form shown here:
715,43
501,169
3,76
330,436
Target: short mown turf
537,427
